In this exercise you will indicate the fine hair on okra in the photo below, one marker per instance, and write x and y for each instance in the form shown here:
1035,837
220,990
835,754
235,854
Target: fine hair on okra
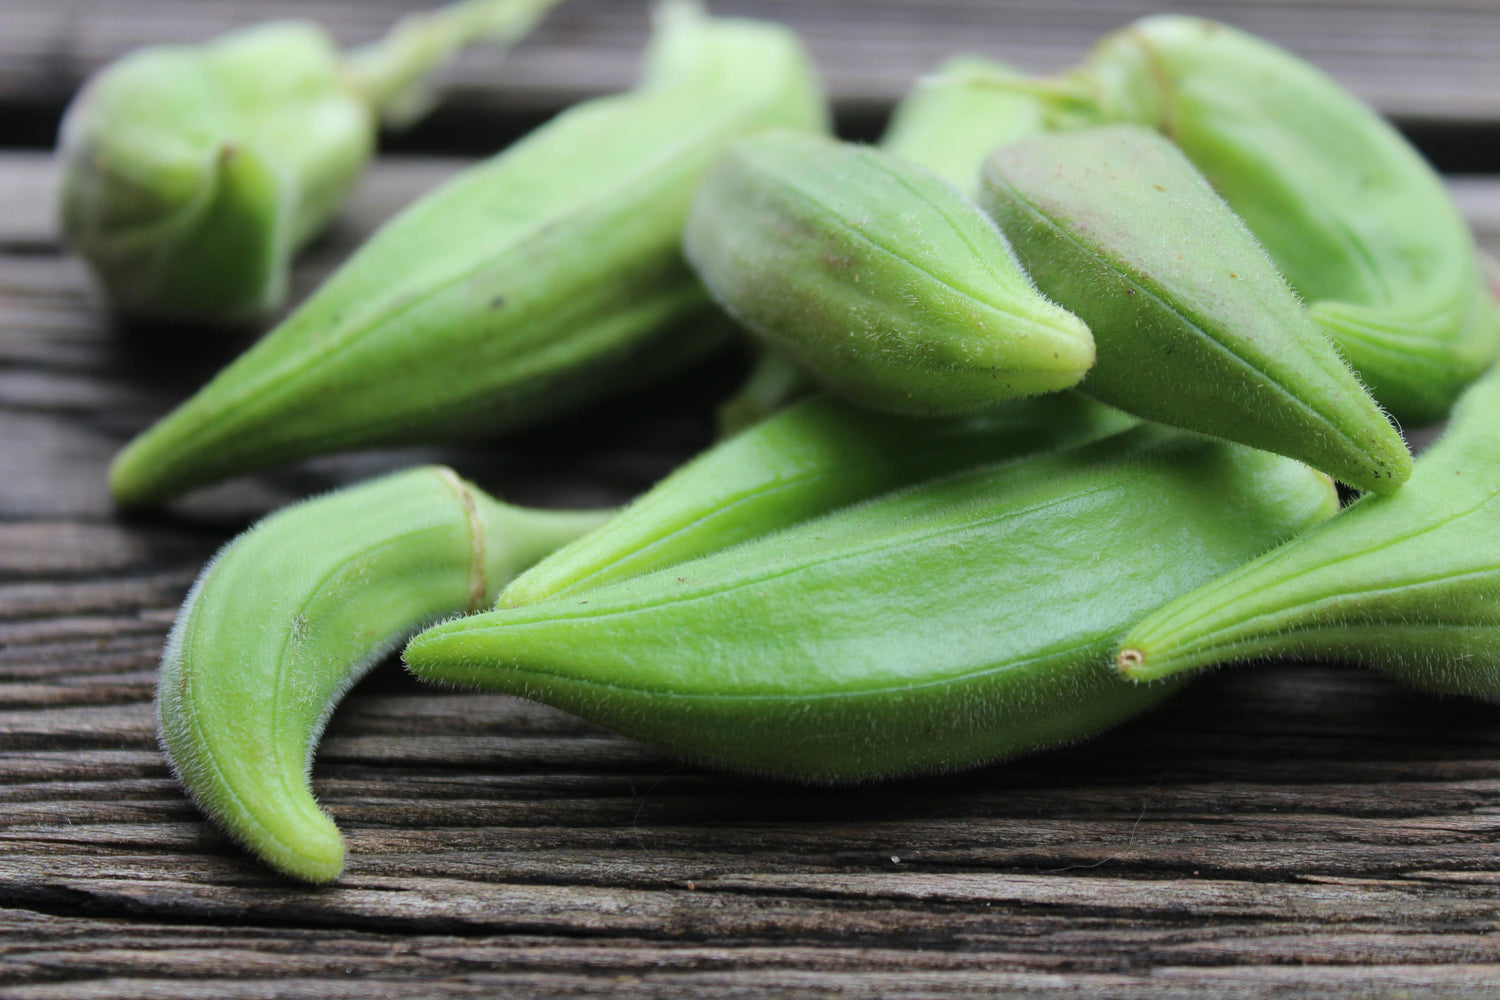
1194,326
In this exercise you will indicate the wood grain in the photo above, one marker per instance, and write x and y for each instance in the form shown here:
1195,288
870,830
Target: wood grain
1285,830
1418,61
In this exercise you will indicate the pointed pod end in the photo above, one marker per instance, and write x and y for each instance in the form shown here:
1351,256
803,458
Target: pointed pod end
1047,350
1393,472
438,654
1133,664
1143,658
317,859
134,479
1128,661
316,856
519,597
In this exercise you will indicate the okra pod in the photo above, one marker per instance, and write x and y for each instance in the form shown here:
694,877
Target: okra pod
877,277
1360,225
192,174
1194,326
812,458
1408,584
290,614
547,275
967,618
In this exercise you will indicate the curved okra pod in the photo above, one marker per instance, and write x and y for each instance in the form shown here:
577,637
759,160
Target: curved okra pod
965,619
1194,326
291,613
811,458
1357,221
1407,584
877,277
952,120
547,275
192,174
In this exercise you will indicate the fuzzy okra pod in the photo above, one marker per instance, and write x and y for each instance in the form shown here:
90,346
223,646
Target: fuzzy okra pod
878,277
947,124
812,458
547,275
1408,584
192,174
1193,324
964,619
289,615
1357,221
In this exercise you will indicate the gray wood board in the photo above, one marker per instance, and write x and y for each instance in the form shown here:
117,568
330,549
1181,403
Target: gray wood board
1417,61
1276,831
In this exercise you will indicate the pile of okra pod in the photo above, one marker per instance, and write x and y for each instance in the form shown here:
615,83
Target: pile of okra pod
1054,387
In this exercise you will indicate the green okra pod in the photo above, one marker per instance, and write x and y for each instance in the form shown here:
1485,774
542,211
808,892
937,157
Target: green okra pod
1193,324
877,277
1360,225
289,615
948,123
192,174
1408,584
546,275
964,619
811,458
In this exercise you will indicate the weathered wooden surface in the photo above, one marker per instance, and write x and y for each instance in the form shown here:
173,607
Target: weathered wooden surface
1281,831
1414,60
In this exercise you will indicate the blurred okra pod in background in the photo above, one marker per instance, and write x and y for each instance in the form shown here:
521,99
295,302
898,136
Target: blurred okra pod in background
546,276
954,118
192,174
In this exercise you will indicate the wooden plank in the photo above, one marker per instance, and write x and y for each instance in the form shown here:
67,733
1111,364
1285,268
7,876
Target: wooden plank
1284,830
1422,61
